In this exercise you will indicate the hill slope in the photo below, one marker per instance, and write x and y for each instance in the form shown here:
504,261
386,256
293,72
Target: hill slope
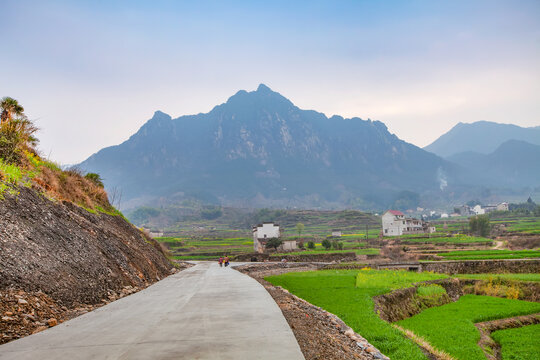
259,149
514,164
482,137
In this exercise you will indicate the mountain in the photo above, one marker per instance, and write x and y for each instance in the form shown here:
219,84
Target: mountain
513,164
482,137
258,150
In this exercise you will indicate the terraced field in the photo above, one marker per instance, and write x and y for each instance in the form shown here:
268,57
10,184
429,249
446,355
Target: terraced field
450,328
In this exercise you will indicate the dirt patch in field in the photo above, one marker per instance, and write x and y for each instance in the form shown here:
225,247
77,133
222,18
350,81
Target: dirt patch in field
321,335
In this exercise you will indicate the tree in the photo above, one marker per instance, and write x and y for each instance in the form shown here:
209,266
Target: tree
480,225
340,245
299,228
326,244
311,245
211,212
10,108
273,243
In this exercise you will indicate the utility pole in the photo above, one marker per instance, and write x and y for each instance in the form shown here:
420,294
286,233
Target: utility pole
367,231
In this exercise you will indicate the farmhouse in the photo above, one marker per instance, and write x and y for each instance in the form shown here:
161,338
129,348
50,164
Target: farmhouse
395,223
262,233
336,233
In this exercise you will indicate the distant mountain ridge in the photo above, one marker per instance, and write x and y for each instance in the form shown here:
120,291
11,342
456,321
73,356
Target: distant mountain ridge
258,149
515,163
481,137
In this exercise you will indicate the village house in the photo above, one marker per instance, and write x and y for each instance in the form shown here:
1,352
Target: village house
395,223
266,231
336,233
479,210
502,206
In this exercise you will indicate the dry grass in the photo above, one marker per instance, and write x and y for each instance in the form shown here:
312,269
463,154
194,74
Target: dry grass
423,343
73,187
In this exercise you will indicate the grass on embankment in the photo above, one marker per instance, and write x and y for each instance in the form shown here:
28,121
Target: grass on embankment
348,294
518,277
490,254
519,343
451,327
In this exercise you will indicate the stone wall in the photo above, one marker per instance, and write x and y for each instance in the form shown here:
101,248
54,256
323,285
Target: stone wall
483,266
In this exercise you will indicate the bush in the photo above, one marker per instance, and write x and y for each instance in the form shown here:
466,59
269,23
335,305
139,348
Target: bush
480,224
273,243
311,245
15,137
95,178
326,244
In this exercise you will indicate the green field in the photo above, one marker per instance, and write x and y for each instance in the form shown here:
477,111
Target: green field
348,294
520,343
518,277
451,327
490,254
316,252
530,226
456,239
192,248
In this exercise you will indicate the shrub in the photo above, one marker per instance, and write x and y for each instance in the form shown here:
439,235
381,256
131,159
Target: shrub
16,132
480,224
273,243
95,178
311,245
326,244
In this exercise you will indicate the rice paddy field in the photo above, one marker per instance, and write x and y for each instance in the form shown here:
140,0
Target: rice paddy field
519,343
490,254
349,293
450,327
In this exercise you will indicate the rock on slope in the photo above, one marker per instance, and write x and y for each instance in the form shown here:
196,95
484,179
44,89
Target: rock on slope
70,254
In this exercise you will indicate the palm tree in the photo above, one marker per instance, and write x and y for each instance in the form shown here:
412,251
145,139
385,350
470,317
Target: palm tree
10,107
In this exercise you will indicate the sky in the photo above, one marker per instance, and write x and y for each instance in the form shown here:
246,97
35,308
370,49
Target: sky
91,73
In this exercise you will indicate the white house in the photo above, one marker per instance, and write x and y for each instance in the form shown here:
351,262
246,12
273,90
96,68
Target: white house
262,233
477,209
395,223
502,206
336,233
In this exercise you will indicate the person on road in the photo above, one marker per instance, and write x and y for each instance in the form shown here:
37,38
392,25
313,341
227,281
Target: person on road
226,261
220,261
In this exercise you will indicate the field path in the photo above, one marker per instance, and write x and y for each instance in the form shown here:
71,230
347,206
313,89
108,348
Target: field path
204,312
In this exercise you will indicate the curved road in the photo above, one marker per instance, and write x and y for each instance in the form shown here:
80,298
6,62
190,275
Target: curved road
204,312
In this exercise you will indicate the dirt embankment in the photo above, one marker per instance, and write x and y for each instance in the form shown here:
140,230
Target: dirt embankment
63,258
321,335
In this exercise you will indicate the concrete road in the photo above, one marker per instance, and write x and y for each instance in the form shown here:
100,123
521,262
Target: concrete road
205,312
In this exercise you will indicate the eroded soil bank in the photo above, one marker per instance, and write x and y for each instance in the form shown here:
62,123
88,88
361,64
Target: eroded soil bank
58,260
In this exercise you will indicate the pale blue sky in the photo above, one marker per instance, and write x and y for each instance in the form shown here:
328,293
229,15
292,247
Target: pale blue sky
92,72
